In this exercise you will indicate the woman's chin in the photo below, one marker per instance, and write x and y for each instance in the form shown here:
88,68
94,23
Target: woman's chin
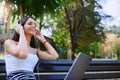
32,34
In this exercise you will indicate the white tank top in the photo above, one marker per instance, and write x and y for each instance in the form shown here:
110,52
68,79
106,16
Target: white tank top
14,64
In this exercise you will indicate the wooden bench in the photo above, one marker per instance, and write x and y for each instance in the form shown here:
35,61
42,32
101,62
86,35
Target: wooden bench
57,69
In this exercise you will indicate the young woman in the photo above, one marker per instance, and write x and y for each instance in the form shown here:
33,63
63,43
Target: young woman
21,54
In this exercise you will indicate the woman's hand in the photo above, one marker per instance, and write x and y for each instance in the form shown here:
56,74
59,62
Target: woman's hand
39,36
50,53
19,28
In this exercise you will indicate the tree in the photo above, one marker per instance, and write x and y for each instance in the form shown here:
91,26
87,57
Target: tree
7,24
36,8
83,26
83,22
112,42
117,47
80,16
59,36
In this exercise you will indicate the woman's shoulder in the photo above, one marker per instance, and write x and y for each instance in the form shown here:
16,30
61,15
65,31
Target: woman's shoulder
9,41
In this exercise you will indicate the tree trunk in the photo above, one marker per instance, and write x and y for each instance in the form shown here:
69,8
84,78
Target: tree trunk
7,24
69,41
68,47
21,10
74,23
71,30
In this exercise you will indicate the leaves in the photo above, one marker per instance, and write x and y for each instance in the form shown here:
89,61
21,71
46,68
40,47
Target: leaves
83,25
37,8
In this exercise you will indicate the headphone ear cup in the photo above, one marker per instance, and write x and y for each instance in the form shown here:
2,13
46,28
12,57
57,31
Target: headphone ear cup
19,22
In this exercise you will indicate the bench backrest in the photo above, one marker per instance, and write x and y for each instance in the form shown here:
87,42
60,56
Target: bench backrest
57,69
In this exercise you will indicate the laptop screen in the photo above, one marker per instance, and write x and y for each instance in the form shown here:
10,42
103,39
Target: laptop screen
78,67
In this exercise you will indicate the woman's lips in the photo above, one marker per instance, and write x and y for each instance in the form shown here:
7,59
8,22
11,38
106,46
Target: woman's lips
33,30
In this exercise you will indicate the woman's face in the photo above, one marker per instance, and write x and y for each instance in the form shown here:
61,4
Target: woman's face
30,27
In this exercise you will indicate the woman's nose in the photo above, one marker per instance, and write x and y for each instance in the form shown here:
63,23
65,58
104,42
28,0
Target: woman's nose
33,25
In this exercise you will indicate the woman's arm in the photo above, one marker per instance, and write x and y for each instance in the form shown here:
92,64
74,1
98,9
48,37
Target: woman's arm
19,50
51,53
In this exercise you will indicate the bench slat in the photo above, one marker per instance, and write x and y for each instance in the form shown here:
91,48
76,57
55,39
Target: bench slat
65,69
86,76
104,68
2,69
101,76
61,76
2,77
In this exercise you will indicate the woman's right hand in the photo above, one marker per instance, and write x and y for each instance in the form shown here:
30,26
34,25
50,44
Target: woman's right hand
19,28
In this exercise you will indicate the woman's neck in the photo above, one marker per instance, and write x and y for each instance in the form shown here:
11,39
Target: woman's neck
28,38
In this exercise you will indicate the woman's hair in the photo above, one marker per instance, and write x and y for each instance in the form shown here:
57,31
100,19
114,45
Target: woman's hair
16,35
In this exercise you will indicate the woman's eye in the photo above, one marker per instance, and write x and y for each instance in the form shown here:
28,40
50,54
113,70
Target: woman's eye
29,23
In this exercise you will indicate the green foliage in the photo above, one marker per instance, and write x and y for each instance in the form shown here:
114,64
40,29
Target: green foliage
118,51
84,24
60,34
114,29
91,27
37,8
61,51
92,49
84,21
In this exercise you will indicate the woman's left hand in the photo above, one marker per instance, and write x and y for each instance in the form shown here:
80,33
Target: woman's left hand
39,35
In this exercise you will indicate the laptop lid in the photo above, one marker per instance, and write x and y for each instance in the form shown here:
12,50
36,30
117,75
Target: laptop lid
78,67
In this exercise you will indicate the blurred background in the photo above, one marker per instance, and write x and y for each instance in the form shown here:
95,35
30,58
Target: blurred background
72,26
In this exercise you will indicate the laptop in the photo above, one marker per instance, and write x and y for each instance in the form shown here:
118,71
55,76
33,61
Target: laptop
78,67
